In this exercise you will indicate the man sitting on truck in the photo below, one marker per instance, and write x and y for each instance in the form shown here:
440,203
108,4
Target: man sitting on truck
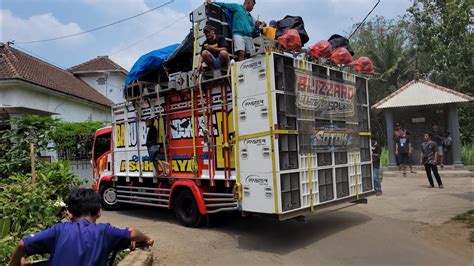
154,148
80,241
214,50
244,27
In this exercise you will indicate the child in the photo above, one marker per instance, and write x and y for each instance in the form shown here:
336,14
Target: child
80,241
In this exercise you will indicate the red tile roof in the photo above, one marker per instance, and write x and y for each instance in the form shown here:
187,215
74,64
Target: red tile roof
101,63
15,64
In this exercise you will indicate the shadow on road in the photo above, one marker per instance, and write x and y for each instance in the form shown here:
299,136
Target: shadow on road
281,237
467,196
264,233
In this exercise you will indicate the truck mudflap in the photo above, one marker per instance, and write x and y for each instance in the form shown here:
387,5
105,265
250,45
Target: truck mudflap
328,207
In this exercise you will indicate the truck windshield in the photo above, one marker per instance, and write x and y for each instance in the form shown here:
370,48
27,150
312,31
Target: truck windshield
101,145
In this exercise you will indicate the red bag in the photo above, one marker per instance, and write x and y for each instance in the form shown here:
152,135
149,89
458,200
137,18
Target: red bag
321,49
363,65
341,56
290,40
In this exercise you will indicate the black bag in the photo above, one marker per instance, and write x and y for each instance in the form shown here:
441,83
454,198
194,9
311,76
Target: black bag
292,22
337,41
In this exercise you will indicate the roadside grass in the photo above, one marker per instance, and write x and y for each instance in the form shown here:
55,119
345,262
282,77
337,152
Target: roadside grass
467,154
467,218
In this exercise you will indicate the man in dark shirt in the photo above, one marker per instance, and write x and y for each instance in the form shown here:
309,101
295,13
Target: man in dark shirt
154,148
80,241
403,149
214,50
376,153
429,150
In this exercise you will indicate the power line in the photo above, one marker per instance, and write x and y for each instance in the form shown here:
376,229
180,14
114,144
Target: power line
368,14
98,28
40,57
147,37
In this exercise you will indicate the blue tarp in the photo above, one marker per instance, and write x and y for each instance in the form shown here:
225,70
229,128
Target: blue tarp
149,62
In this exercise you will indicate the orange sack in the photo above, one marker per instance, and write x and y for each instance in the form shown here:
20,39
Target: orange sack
321,49
290,40
341,56
363,65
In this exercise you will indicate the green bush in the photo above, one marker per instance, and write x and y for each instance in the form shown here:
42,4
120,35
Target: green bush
74,140
33,207
384,157
467,154
15,143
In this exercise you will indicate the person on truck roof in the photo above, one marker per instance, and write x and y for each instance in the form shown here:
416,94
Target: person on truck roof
80,241
244,26
214,50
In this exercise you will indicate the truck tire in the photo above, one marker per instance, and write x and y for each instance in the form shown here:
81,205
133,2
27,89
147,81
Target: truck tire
108,197
186,209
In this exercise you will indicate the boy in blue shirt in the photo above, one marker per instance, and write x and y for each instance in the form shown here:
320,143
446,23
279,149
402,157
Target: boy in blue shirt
80,241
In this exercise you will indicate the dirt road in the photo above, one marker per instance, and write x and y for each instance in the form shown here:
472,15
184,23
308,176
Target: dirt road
359,235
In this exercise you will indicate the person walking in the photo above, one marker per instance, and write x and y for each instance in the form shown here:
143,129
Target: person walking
403,149
376,153
428,157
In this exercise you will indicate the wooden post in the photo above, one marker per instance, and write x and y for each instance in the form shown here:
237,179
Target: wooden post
33,157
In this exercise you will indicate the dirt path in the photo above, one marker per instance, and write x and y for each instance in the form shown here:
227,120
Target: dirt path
406,226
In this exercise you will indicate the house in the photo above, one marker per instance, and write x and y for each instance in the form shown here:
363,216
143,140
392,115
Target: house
104,75
29,85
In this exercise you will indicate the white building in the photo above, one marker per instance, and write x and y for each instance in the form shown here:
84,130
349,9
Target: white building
104,75
29,85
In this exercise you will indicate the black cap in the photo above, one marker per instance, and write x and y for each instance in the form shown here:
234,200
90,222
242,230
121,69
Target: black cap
208,28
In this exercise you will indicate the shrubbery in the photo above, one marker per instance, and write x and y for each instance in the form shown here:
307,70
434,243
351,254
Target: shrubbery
26,208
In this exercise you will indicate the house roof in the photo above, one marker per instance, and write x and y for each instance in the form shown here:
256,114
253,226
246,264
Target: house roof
15,64
421,92
100,63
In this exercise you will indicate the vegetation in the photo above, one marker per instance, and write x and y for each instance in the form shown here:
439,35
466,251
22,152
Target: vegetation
74,140
25,207
467,154
434,40
384,158
468,218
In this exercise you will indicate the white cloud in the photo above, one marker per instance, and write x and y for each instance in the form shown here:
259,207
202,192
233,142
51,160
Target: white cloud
141,27
37,27
123,8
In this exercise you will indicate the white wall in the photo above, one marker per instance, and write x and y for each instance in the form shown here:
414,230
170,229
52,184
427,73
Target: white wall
113,87
68,108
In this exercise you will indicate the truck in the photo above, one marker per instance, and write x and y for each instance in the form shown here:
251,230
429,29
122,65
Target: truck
277,134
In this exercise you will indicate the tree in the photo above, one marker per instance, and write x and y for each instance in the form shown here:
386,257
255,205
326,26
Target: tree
388,44
444,32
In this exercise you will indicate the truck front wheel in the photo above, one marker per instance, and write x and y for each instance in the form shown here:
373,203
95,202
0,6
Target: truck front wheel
108,197
186,209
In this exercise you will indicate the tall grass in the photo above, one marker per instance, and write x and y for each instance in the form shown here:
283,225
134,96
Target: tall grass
384,157
467,154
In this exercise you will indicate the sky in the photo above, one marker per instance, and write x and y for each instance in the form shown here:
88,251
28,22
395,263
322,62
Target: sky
30,20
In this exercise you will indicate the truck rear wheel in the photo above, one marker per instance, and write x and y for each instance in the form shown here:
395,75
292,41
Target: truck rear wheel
186,209
108,197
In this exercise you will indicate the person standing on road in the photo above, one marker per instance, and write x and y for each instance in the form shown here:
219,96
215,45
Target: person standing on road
376,153
403,149
396,135
447,147
428,157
